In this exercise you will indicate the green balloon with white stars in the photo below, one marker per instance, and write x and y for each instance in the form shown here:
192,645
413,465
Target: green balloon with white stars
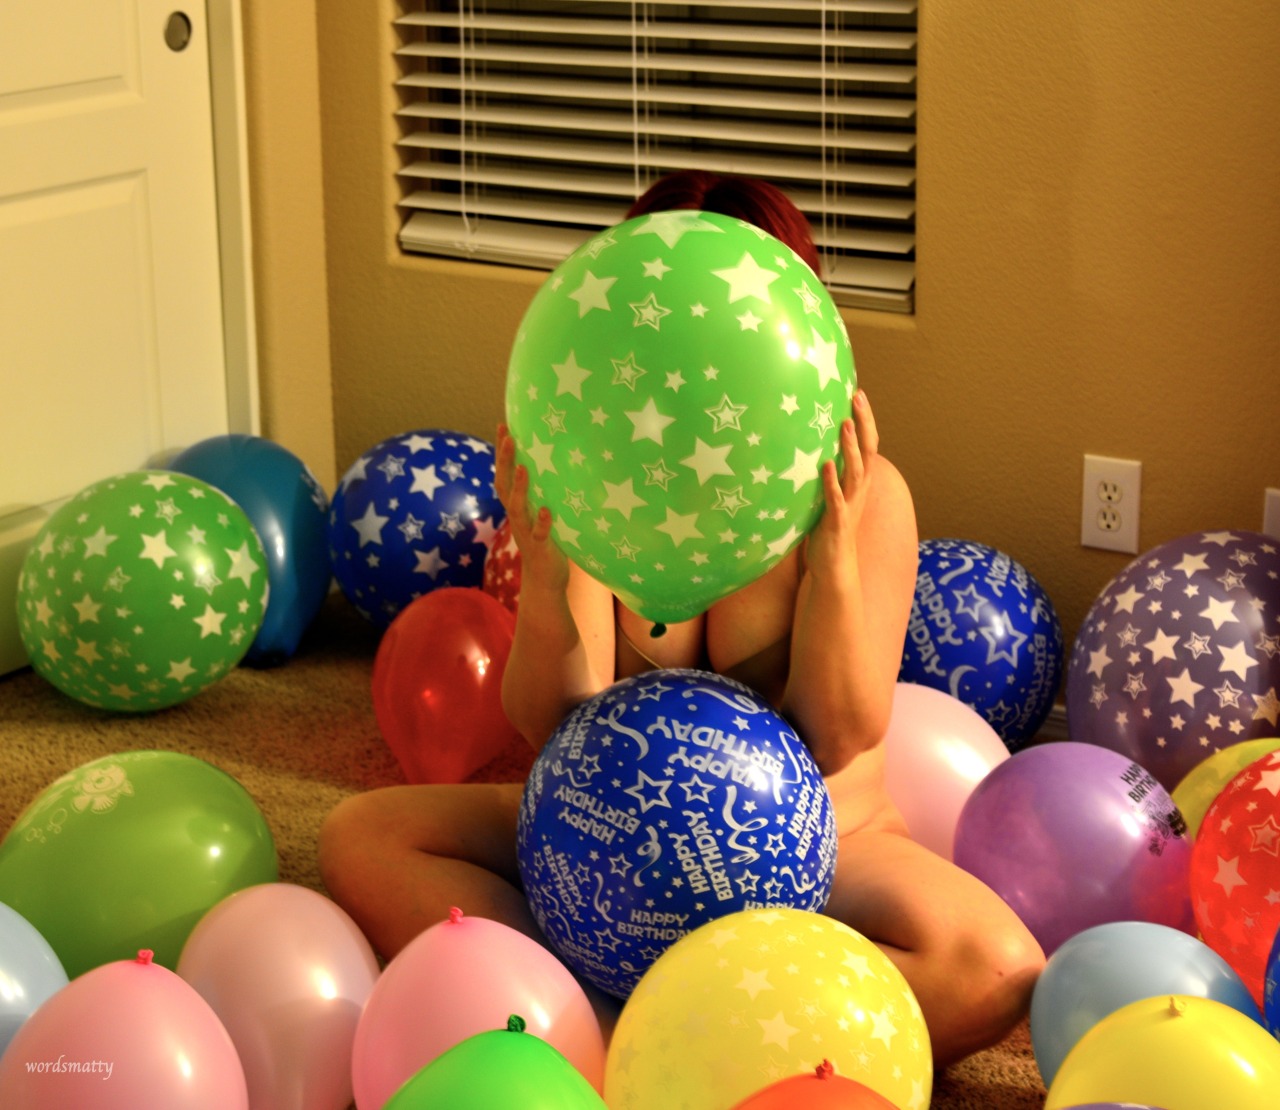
141,591
674,389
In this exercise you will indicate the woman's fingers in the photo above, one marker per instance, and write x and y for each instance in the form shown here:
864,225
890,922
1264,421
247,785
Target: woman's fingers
868,436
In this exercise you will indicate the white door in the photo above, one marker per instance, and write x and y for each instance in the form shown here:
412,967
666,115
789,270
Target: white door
111,332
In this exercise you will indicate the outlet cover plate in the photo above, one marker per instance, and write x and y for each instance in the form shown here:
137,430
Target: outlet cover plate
1110,499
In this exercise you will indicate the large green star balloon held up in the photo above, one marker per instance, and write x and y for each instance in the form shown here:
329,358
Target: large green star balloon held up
675,388
141,590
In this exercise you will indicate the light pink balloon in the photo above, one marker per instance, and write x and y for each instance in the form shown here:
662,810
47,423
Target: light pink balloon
121,1036
461,977
288,972
937,750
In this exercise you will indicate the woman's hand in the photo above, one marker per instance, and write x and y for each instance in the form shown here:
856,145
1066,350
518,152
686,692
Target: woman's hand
543,565
831,546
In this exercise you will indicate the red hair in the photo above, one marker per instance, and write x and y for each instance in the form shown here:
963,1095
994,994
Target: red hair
747,198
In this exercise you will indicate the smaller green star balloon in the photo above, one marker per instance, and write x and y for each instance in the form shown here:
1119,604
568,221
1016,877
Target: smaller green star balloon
142,590
675,388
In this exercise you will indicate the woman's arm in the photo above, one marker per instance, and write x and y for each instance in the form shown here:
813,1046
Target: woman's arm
563,650
854,602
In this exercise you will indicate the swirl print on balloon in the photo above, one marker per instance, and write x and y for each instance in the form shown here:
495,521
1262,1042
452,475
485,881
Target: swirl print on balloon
414,513
675,388
1179,656
141,591
983,630
668,800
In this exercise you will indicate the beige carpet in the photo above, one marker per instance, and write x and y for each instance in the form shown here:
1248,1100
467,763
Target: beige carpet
301,737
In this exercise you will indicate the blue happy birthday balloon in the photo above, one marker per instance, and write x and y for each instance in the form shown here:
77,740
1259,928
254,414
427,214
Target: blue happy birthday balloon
984,631
668,800
413,513
288,509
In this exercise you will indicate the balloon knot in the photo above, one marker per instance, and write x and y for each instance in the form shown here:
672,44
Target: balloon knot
824,1070
659,629
145,956
515,1024
455,915
1177,1006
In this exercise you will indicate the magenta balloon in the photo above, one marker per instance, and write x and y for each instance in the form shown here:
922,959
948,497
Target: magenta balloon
1074,835
123,1035
937,750
288,973
463,977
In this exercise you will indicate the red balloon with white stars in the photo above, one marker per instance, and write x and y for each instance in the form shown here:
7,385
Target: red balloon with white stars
502,568
1235,871
1179,656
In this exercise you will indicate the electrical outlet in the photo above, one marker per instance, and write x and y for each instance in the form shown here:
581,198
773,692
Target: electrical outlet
1271,513
1109,503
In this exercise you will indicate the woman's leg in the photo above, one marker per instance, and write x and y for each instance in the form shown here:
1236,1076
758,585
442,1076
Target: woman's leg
398,858
967,956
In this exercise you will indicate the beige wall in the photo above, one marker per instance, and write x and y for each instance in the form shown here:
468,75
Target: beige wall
1098,241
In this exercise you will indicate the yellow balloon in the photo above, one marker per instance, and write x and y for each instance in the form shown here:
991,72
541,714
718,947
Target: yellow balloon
1174,1051
759,995
1201,785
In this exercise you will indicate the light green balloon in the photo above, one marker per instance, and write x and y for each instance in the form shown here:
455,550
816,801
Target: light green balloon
142,590
675,388
129,852
498,1070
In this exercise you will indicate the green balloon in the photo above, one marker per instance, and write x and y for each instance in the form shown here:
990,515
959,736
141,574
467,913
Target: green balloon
142,590
675,388
498,1070
129,852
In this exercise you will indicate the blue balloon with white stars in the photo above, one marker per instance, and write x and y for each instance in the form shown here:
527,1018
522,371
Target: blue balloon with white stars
412,514
984,631
668,800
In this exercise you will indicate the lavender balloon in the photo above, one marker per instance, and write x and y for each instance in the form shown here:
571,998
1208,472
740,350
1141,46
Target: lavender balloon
1179,656
1073,835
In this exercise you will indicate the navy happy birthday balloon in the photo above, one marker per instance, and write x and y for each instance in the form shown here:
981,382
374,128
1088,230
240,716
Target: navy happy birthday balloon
1179,656
984,631
413,513
668,800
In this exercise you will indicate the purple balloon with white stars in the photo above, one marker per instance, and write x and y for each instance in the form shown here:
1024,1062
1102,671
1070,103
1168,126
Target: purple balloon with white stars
1179,656
983,630
412,514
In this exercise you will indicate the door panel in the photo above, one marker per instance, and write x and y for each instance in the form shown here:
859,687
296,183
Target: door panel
110,298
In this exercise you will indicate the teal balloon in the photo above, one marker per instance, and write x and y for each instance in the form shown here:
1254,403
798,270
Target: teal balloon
1106,967
30,972
128,852
141,591
289,510
674,388
498,1070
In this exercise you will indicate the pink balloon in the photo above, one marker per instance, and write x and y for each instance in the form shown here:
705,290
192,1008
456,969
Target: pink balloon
461,977
121,1036
288,972
937,750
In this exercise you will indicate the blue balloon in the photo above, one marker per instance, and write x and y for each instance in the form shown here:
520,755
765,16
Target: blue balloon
414,513
984,631
668,800
30,972
1103,968
1271,989
287,508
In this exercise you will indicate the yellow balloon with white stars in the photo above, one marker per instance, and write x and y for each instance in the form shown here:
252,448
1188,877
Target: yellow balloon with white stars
759,995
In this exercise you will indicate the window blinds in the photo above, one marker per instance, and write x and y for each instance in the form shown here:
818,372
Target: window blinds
527,125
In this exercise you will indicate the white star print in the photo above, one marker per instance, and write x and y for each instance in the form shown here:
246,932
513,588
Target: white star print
592,293
570,376
708,461
649,423
803,469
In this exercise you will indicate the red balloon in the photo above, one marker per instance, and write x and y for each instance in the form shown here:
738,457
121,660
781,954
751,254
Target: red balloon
437,684
823,1090
1235,872
502,568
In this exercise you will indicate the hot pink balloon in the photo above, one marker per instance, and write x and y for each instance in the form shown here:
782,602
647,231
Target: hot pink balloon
288,973
462,977
937,750
121,1036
